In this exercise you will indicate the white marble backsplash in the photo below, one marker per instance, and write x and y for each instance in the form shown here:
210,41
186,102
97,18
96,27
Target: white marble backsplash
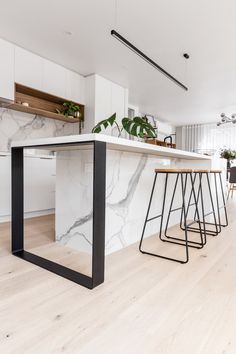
21,126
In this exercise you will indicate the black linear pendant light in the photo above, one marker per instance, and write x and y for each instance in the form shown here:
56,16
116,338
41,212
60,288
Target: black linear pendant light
147,59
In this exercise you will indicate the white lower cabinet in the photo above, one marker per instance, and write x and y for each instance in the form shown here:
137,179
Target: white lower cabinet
39,182
5,185
39,185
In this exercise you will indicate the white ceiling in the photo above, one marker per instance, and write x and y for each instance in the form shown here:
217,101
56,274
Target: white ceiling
164,30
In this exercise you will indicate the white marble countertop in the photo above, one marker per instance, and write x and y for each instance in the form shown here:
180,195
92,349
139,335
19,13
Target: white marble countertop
113,143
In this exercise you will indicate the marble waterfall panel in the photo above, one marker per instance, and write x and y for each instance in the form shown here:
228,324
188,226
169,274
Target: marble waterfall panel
128,185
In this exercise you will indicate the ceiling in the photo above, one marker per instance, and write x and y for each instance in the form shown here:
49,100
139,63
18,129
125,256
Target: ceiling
163,29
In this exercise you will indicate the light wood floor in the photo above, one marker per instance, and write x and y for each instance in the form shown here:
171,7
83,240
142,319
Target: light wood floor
145,306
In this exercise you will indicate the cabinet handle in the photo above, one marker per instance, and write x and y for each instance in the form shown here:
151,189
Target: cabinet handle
3,155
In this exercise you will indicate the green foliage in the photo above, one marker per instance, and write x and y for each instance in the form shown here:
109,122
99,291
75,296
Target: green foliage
228,154
104,124
70,109
138,126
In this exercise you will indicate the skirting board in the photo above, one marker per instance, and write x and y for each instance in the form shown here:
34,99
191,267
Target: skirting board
33,214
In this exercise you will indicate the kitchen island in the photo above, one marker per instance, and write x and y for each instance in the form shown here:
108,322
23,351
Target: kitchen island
103,186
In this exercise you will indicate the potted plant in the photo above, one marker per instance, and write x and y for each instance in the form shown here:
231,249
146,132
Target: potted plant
229,155
137,126
70,109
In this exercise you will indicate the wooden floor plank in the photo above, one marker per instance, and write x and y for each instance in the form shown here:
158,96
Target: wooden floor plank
146,305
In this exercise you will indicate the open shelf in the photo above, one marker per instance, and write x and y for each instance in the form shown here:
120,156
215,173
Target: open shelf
42,103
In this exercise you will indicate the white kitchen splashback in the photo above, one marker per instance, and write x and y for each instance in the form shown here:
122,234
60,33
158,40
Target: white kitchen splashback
20,126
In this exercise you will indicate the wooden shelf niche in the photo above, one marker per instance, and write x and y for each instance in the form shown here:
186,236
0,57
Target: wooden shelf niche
42,103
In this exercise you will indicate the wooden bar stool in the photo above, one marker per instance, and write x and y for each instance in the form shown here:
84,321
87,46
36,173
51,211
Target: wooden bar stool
182,175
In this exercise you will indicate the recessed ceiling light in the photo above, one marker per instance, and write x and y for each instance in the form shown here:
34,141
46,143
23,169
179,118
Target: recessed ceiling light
68,33
186,56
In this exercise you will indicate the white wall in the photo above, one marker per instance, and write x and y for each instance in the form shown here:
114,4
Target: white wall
207,138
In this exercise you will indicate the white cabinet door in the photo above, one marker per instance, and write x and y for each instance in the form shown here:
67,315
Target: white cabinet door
6,70
54,78
40,182
103,92
28,68
75,87
5,185
118,101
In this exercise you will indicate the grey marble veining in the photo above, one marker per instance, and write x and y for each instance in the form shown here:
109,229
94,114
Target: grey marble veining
21,126
129,179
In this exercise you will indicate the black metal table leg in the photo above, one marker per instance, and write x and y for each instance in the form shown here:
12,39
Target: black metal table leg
99,195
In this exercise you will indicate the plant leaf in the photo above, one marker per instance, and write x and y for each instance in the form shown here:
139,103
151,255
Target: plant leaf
104,124
138,127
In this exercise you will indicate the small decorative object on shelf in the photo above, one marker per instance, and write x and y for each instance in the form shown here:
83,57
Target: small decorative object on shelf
137,126
229,155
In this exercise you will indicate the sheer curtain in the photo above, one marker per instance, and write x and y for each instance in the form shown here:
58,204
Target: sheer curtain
207,137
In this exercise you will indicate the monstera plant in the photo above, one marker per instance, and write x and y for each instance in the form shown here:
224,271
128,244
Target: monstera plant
137,126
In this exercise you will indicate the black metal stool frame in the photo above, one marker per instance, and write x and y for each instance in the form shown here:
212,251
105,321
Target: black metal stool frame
200,194
183,209
195,203
217,201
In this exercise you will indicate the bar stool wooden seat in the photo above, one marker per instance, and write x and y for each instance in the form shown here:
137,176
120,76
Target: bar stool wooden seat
182,175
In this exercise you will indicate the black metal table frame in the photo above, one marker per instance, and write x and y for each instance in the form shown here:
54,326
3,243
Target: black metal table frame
98,230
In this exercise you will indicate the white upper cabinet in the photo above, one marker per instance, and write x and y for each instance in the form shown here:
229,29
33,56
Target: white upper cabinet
118,100
103,99
28,68
75,87
21,66
6,70
54,78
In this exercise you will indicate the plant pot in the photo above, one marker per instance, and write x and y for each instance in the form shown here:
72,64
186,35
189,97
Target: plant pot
77,115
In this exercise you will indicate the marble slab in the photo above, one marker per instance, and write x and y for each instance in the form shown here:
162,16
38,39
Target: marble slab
21,126
129,179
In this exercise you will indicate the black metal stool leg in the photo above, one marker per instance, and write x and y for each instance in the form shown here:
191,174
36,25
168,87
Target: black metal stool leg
200,193
149,206
163,208
224,204
185,220
217,203
213,208
219,223
192,192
